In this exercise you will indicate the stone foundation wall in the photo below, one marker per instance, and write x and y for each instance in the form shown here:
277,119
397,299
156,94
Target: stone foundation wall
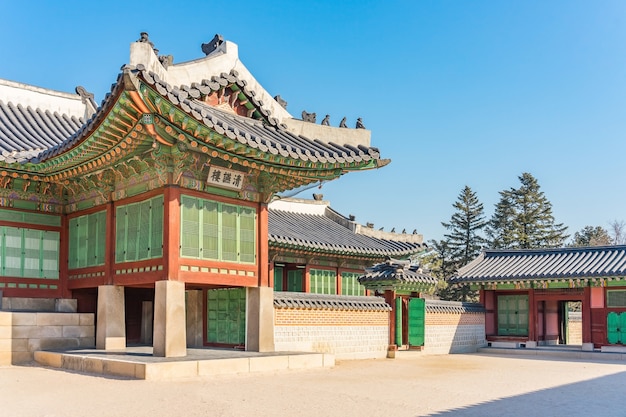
23,333
453,327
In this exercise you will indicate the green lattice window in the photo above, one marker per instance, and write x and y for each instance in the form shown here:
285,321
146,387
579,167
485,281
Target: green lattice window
278,278
87,240
323,281
616,298
139,230
217,231
29,253
513,315
350,285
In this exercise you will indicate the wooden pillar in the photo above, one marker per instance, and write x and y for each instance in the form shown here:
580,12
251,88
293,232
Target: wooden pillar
307,278
64,251
109,254
586,318
390,298
263,246
171,232
532,316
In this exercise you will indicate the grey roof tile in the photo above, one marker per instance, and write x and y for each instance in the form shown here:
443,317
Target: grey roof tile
456,307
320,233
329,302
541,264
396,271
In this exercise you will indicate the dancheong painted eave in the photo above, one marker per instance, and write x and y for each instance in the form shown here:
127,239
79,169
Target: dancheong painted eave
222,113
577,263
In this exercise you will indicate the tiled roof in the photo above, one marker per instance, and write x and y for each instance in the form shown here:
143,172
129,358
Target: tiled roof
320,233
25,132
454,307
329,302
397,274
545,264
266,134
53,133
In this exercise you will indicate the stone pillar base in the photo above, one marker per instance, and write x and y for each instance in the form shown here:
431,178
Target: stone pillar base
170,336
260,318
111,326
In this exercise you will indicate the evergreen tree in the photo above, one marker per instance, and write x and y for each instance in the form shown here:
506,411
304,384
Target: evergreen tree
592,236
466,223
523,219
462,244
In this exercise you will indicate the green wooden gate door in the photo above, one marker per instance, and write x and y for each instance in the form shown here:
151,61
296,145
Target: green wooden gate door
417,316
616,327
226,316
399,321
294,280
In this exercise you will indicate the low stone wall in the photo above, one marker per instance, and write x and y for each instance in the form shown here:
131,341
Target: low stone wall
23,333
454,327
348,327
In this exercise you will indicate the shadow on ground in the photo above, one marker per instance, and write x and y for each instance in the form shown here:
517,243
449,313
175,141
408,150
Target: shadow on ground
604,396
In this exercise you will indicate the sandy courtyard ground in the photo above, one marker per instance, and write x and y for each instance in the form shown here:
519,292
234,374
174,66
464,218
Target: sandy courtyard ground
451,385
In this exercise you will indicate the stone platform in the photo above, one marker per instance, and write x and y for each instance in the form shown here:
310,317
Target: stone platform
138,362
565,352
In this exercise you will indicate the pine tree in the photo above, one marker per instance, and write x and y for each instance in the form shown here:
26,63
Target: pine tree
592,236
523,219
462,244
466,223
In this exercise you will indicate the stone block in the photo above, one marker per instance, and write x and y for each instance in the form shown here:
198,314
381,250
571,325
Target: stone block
29,332
6,318
114,343
329,360
58,343
120,368
78,331
306,361
86,319
269,363
52,359
6,332
587,347
73,362
224,367
24,319
93,365
66,305
21,345
6,345
87,342
57,319
31,304
5,358
21,357
170,370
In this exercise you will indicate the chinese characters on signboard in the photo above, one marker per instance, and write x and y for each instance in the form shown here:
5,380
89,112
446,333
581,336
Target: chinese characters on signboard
227,178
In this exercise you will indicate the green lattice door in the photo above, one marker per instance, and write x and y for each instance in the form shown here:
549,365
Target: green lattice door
513,315
226,316
616,327
294,280
417,315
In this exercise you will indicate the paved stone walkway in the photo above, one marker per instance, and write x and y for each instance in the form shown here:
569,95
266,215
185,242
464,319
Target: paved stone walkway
452,385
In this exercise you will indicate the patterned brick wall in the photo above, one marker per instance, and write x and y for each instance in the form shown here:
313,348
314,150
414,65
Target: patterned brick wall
453,327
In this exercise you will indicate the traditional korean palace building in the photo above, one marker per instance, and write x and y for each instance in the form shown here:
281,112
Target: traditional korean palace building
152,209
526,292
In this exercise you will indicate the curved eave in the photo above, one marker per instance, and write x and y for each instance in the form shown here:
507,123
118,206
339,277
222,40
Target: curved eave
364,253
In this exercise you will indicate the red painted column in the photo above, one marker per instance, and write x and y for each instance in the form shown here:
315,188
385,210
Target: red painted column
532,316
64,251
390,298
263,246
109,255
171,233
587,315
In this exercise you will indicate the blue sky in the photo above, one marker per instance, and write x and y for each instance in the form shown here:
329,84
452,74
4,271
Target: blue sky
455,92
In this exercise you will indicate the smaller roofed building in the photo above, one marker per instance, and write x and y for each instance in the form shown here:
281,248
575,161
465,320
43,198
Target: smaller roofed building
314,249
526,294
